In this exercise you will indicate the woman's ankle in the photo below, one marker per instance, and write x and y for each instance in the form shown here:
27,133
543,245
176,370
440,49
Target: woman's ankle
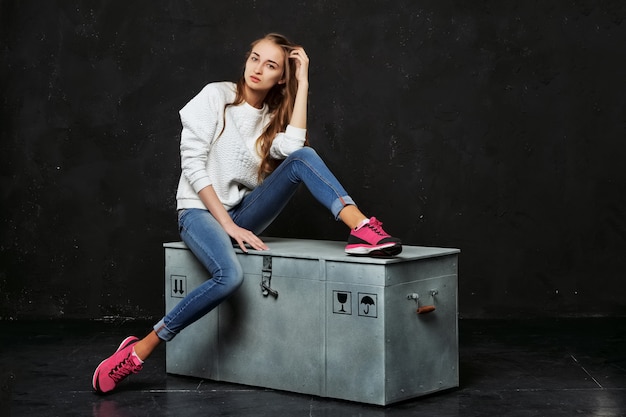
145,347
352,216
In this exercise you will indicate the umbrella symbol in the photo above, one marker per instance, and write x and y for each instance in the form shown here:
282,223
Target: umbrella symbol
367,300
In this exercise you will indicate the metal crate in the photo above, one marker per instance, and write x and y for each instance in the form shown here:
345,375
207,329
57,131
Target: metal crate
310,319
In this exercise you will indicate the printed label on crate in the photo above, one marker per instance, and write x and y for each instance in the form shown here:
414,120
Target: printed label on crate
342,302
178,286
368,305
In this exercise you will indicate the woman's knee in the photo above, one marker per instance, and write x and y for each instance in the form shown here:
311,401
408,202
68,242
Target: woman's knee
305,153
231,277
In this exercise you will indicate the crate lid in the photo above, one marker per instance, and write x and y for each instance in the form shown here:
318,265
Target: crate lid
332,251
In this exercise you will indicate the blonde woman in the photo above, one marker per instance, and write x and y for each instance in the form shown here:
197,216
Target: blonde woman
243,155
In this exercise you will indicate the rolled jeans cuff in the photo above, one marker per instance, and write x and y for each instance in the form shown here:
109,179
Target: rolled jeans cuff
163,332
339,204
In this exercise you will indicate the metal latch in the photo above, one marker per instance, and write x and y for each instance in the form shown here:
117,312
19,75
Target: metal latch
266,278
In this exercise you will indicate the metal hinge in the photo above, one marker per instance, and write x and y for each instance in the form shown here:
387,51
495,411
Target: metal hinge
266,278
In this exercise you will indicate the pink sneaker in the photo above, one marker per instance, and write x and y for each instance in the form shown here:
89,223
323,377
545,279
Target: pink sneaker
114,369
369,239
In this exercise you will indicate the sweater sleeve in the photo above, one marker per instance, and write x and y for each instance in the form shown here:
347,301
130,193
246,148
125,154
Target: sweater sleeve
201,118
286,142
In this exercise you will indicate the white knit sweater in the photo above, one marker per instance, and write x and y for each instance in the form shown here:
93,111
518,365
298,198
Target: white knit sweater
228,163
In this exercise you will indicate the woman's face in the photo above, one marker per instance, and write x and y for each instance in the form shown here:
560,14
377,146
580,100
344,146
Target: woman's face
265,66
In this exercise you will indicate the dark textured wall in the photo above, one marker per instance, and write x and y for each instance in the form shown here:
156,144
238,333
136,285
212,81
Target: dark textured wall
497,127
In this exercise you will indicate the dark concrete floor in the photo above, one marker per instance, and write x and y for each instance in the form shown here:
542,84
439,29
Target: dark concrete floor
565,367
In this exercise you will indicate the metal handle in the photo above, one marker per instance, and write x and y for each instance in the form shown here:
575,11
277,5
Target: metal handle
426,308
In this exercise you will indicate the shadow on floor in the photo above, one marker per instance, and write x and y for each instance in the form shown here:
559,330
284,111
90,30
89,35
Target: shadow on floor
563,367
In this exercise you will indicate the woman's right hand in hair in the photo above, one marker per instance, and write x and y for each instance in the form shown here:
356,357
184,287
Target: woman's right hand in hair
299,115
302,65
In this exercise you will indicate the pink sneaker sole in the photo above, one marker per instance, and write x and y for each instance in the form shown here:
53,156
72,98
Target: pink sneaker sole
383,250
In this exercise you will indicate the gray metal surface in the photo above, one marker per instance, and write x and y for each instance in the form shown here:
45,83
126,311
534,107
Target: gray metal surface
326,323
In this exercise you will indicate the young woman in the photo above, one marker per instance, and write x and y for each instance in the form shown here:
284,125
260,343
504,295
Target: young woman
243,155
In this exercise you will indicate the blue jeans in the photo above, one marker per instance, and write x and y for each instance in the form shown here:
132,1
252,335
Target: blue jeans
213,247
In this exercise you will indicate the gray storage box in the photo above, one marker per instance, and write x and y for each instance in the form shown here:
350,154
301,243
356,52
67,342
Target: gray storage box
311,319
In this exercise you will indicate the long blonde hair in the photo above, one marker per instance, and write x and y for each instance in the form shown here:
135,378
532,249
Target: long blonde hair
280,101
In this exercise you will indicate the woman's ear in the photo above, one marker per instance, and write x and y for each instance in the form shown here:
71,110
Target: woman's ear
282,81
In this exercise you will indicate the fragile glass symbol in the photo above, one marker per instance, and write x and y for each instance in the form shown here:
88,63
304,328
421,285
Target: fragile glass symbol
342,297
